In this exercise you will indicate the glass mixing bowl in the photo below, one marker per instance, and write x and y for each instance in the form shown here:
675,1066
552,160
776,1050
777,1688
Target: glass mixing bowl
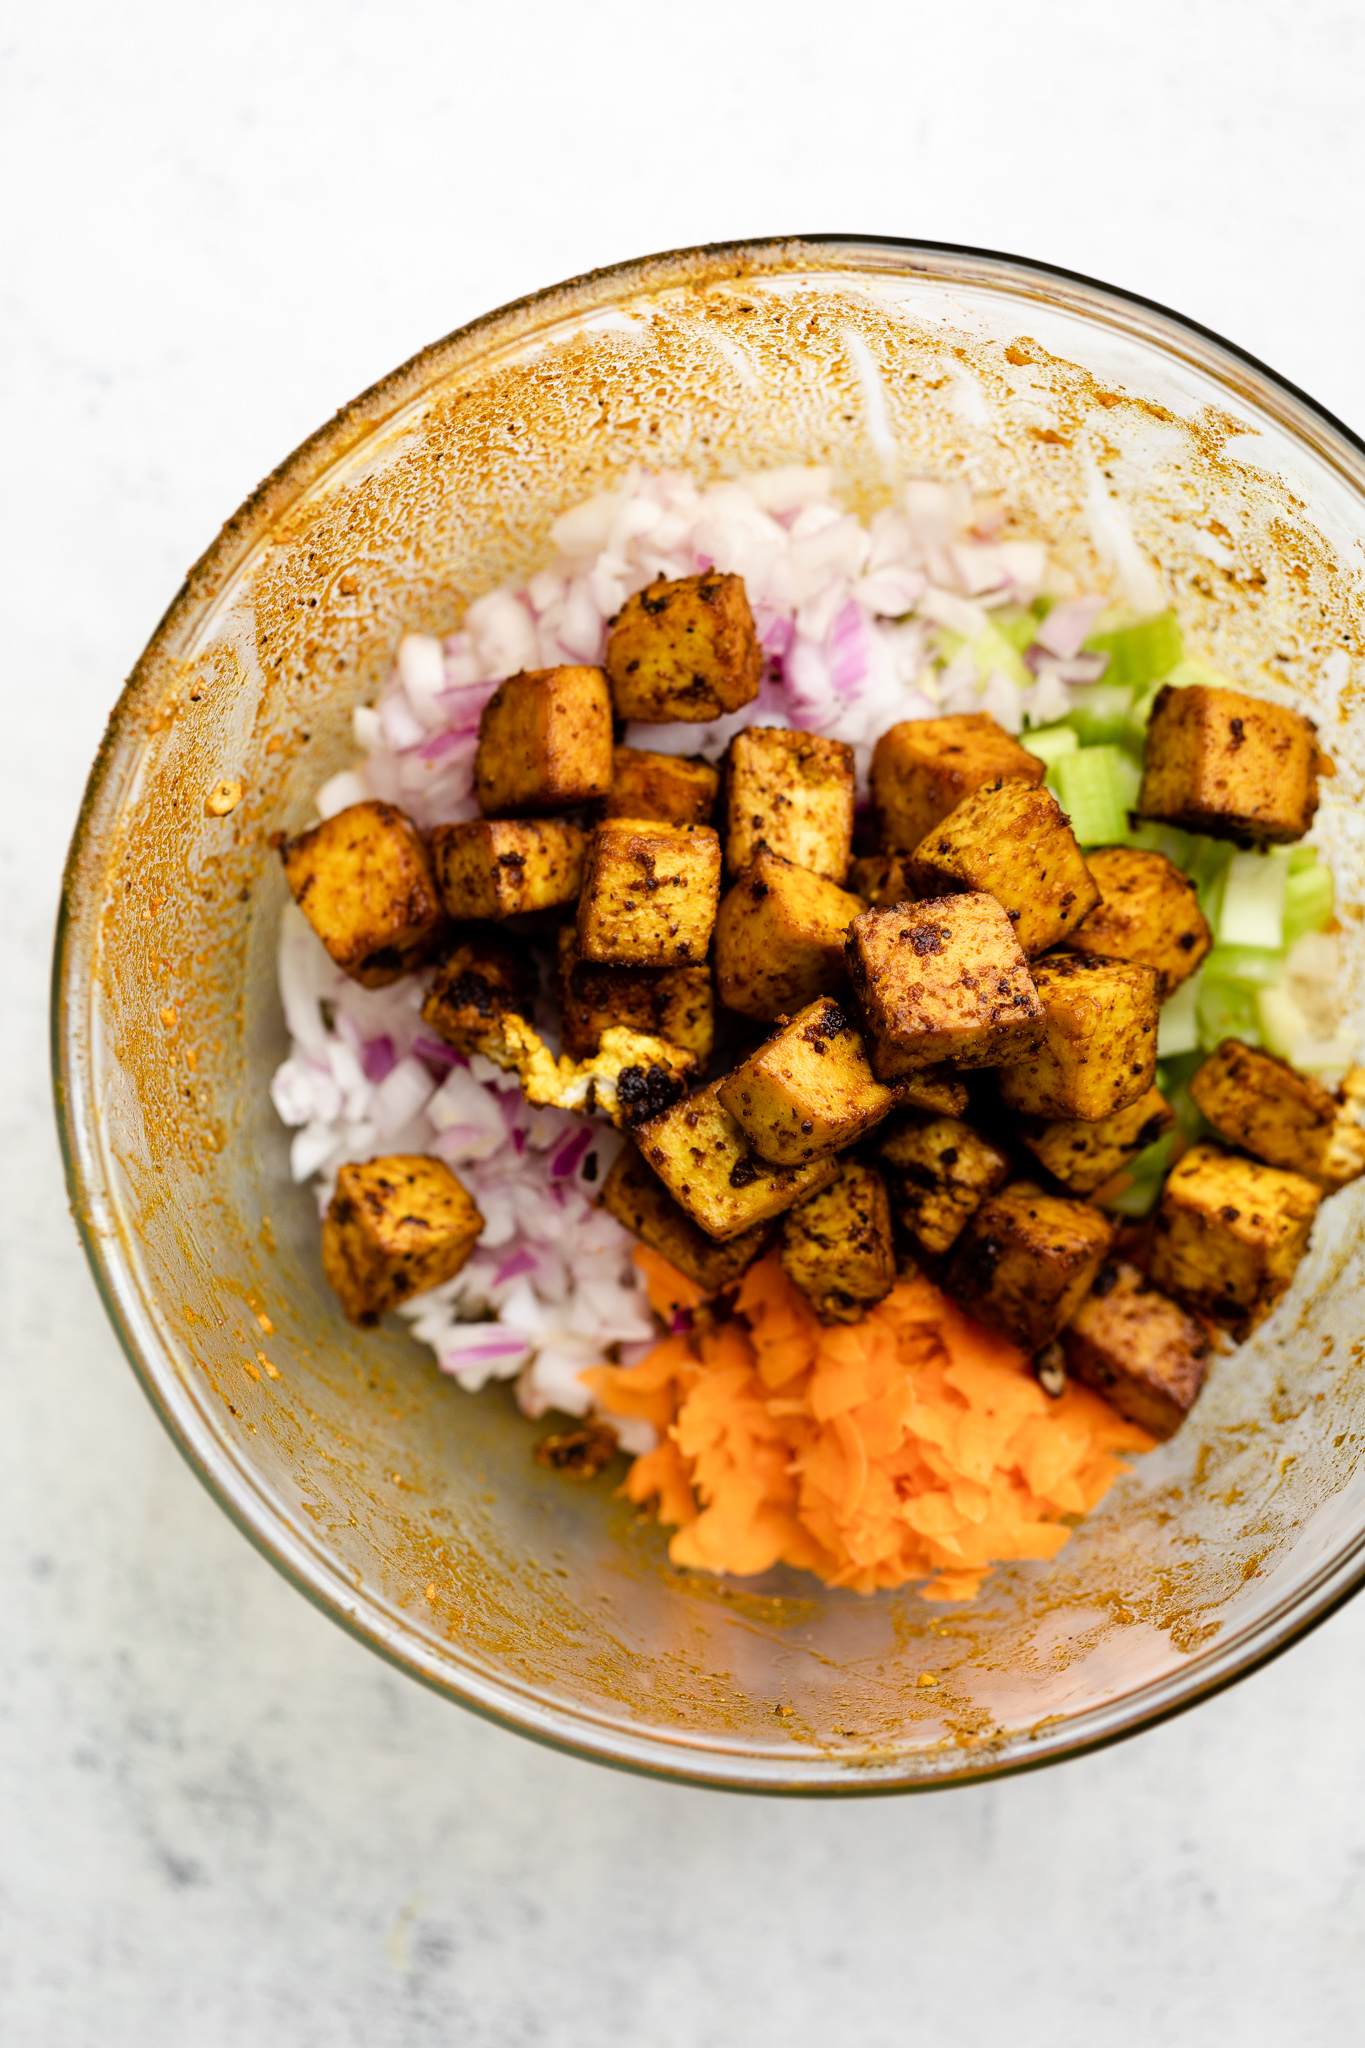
1142,447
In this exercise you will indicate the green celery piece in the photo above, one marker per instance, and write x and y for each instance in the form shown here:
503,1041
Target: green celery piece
1302,856
1136,723
1142,653
991,651
1177,846
1309,899
1252,910
1096,787
946,644
1016,624
1178,1024
1049,743
1100,714
1226,1009
1207,868
1188,673
1247,966
1149,1174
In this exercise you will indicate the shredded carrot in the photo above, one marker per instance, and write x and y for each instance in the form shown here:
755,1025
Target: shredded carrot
914,1445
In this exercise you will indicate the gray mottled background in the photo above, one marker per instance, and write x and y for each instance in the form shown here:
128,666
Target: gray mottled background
221,1822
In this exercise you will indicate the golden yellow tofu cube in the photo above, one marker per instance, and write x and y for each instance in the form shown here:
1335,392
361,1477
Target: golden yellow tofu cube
649,893
394,1228
1229,765
1026,1260
1148,912
941,981
483,976
1279,1116
935,1090
363,880
793,793
505,867
1229,1234
924,767
883,879
1137,1348
684,650
635,1196
1098,1049
941,1171
1083,1156
780,939
809,1089
544,743
675,1003
837,1247
1013,841
676,789
705,1160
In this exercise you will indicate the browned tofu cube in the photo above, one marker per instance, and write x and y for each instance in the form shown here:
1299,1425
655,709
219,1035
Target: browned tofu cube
675,789
1098,1050
924,767
1148,912
1013,841
483,976
684,650
1083,1156
836,1245
1026,1260
363,880
504,867
649,893
793,793
941,1171
882,879
1229,1234
544,743
936,1090
1137,1348
394,1228
675,1003
809,1089
705,1160
942,981
635,1196
1232,766
780,939
1280,1116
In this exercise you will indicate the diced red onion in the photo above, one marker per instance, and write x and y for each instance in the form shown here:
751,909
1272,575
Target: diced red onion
378,1057
437,1053
570,1151
520,1262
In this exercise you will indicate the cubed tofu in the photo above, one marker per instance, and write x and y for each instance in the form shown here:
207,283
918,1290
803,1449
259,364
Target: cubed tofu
1229,1234
504,867
1148,912
1232,766
924,767
544,743
675,1003
1098,1049
837,1247
393,1228
1279,1116
705,1160
483,975
674,789
1026,1260
882,879
649,893
936,1090
809,1089
1083,1156
943,980
363,880
1137,1348
780,939
1013,841
793,793
941,1171
630,1078
635,1196
684,650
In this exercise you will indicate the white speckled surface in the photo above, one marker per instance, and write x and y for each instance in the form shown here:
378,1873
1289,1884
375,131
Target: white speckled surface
221,1822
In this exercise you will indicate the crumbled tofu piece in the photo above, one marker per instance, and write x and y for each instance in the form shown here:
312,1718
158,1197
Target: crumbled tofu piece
809,1089
502,867
1279,1116
1026,1260
793,793
883,879
684,650
636,1196
1098,1050
1149,912
1013,841
1083,1156
941,1171
394,1228
942,980
1140,1350
780,939
649,893
483,975
675,1003
1229,1234
544,743
936,1090
705,1160
630,1077
1232,766
674,789
924,767
363,880
836,1245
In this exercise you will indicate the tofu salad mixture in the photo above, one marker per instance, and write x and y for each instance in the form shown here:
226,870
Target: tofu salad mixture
835,1012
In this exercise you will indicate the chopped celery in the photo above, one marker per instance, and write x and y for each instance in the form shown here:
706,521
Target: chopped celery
1207,868
1135,725
1226,1009
1142,653
1301,856
1252,909
991,651
1100,714
1149,1173
1282,1022
1248,966
1309,896
1178,1026
1050,742
1188,673
1096,787
1016,624
1178,847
